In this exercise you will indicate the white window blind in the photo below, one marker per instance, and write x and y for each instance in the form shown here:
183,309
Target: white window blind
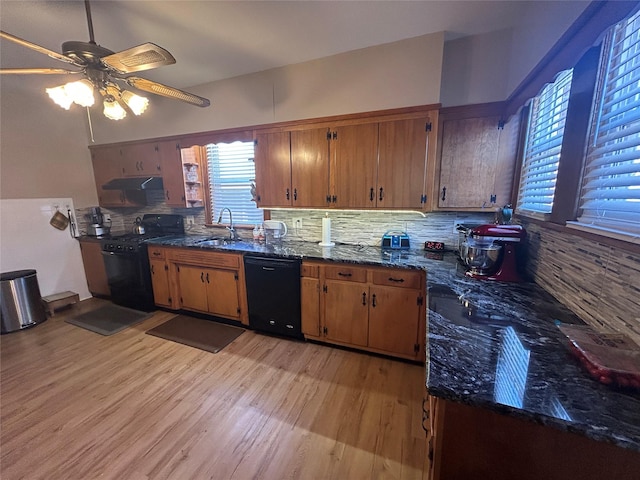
543,145
610,196
231,170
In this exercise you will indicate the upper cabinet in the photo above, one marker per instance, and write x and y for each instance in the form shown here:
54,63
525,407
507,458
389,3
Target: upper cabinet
140,160
107,165
182,175
477,155
405,148
355,164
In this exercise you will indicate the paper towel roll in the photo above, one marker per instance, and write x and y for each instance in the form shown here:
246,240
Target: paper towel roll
326,233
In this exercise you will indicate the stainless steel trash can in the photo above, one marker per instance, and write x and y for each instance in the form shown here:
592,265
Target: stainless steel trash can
21,303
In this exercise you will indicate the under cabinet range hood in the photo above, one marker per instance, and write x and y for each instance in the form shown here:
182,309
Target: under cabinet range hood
134,183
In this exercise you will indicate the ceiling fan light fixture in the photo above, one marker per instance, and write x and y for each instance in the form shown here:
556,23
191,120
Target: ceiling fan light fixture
60,97
81,92
136,103
113,110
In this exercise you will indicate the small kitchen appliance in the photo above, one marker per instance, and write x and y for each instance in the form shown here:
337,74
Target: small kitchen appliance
96,226
393,239
494,252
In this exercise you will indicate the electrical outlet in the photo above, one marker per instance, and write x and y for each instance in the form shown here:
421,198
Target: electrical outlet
455,225
190,220
107,217
297,222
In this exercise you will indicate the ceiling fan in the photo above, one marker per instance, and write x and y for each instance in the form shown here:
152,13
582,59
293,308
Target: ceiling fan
104,70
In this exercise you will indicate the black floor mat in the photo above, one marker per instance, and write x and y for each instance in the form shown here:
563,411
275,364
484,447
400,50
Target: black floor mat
108,319
203,334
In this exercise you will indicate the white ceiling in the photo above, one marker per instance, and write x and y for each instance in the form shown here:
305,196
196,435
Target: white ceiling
212,40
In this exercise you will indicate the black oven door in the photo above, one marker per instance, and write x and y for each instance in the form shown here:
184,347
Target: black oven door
129,279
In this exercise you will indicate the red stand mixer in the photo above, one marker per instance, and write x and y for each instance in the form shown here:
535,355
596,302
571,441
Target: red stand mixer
491,252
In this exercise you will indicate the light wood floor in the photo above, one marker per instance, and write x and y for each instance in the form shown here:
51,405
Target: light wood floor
78,405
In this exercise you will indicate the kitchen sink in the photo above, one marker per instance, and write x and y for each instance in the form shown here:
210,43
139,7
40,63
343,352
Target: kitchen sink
219,241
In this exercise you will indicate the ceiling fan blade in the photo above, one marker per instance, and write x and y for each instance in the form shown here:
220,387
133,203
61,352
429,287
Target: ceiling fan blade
39,71
159,89
136,59
37,48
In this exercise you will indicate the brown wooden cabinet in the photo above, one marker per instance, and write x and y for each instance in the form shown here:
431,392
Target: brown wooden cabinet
477,154
183,174
310,298
160,277
464,442
405,148
310,168
273,169
375,309
353,153
108,164
140,160
202,281
94,268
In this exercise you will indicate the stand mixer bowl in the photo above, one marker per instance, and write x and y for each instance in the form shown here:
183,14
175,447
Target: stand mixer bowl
481,258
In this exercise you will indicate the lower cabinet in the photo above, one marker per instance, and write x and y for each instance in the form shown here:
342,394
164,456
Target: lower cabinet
160,277
94,268
375,309
206,282
464,442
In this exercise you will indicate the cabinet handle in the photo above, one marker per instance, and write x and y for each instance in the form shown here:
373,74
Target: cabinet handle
371,195
391,279
364,298
137,166
344,274
381,194
444,193
157,254
141,166
328,198
167,194
158,167
202,277
207,277
334,199
373,300
152,271
295,194
287,194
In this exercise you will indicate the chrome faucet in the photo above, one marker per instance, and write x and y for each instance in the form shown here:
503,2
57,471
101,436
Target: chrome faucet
233,235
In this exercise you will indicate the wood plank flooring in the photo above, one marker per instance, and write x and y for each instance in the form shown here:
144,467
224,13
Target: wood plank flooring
78,405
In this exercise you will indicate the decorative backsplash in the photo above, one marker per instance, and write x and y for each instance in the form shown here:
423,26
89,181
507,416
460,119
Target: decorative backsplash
599,283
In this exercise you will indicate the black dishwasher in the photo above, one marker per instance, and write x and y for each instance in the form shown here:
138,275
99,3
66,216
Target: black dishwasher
273,295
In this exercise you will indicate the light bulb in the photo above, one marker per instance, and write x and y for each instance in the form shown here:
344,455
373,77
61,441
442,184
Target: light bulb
81,92
136,103
60,97
113,110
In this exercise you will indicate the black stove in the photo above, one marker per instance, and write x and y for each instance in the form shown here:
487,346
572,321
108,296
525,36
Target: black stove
127,263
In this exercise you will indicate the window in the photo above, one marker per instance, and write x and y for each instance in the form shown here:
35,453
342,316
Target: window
231,172
547,115
610,195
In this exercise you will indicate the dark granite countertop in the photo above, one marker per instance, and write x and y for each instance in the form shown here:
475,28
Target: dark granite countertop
492,345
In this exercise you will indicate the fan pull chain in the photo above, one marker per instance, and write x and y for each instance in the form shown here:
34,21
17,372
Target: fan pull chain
90,126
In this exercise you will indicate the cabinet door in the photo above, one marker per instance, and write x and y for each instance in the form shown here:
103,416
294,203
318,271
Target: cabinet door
310,303
346,306
468,163
222,292
394,317
193,292
106,167
94,268
354,158
402,163
140,160
273,169
160,282
172,174
310,167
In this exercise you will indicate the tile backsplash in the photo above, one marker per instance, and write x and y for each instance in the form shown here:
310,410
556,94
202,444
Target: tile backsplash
599,283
